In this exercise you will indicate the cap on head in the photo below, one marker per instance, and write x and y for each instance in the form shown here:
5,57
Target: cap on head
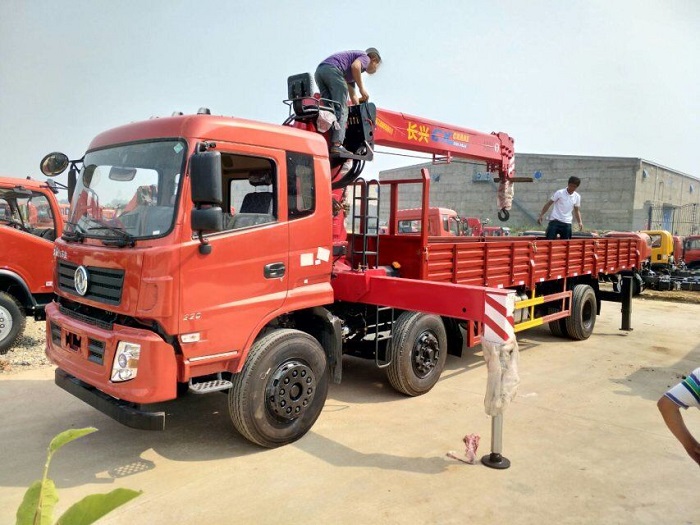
372,52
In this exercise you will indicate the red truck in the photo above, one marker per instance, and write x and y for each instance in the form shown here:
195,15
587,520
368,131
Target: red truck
234,271
30,220
691,252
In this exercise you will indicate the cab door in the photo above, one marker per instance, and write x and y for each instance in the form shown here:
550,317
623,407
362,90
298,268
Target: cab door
227,294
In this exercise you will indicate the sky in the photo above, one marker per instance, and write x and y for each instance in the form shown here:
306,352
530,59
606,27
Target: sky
615,78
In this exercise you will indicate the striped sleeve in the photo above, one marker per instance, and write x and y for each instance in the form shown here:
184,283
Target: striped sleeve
687,393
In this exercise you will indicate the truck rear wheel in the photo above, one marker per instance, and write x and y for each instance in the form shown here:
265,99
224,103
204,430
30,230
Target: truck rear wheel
418,353
558,327
12,321
280,392
579,325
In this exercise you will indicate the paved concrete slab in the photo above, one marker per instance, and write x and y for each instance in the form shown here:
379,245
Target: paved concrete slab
585,439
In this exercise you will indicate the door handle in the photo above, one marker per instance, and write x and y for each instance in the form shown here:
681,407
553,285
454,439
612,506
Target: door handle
274,270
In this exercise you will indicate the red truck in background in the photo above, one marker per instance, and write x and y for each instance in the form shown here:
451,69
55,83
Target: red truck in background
496,231
442,222
691,252
236,273
30,220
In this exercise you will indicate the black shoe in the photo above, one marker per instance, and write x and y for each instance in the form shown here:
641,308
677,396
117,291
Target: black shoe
339,151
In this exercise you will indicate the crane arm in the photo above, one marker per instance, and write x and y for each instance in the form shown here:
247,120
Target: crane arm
444,141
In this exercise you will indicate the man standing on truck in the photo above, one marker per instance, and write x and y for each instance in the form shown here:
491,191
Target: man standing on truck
336,78
567,203
685,394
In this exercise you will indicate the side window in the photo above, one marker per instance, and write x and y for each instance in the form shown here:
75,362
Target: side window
250,191
301,185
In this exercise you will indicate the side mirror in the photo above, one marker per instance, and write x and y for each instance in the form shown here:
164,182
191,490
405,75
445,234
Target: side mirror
207,219
54,164
205,178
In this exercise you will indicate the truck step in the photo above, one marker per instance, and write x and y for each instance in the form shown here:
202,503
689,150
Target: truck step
205,387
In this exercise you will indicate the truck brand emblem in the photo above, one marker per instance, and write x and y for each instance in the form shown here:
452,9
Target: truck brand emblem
81,280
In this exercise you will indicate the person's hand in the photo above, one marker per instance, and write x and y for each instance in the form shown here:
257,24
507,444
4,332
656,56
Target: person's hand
580,226
694,453
364,96
539,219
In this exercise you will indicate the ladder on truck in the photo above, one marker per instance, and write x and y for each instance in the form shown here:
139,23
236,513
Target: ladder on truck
364,253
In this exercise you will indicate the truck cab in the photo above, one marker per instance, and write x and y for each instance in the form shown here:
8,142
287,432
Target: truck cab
30,219
691,251
662,249
442,222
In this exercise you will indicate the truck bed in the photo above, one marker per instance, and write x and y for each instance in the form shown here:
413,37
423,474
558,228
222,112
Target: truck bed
506,262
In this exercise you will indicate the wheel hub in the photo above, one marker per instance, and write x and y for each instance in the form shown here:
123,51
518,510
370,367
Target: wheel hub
426,353
291,390
5,323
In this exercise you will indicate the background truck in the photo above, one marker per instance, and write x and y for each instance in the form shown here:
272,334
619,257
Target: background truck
442,222
235,272
691,252
30,220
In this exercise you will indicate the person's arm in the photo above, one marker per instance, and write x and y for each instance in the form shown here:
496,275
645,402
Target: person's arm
674,421
357,77
544,210
353,96
577,214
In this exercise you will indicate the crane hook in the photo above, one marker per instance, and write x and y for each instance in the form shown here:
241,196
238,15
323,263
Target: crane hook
503,215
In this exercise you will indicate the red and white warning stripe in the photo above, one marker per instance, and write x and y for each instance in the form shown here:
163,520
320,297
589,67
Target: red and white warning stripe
498,317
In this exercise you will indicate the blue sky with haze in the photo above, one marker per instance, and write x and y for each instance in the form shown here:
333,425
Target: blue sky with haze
598,77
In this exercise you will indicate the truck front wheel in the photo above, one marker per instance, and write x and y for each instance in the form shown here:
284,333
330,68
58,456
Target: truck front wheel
280,392
12,321
418,353
579,325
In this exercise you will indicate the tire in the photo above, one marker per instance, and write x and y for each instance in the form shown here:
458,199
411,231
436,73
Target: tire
558,327
12,321
579,325
262,411
418,353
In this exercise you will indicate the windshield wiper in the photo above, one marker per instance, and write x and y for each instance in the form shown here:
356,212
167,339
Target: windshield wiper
126,239
75,235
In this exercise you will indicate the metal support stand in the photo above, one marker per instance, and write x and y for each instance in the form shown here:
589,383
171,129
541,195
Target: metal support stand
626,292
495,460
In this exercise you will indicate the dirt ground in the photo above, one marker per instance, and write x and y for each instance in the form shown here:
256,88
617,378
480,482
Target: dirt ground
586,442
676,296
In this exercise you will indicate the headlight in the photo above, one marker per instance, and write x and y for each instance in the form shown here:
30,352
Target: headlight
126,361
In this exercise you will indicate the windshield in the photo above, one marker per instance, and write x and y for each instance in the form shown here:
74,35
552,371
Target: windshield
27,210
127,192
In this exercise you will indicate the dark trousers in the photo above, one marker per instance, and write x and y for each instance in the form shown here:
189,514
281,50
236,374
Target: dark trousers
555,228
332,86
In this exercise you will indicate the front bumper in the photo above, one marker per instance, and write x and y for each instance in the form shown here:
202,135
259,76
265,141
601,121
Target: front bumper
121,411
86,352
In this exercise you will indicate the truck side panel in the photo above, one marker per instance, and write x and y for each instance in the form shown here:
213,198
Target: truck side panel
507,263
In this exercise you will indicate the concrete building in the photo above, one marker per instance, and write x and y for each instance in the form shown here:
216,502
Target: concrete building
617,193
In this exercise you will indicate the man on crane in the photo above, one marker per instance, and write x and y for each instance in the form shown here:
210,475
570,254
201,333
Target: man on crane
336,78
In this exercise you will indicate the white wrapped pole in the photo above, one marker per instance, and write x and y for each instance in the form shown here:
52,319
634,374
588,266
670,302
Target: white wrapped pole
501,355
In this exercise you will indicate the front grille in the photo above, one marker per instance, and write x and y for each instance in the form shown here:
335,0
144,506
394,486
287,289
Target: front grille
104,284
96,351
56,334
87,314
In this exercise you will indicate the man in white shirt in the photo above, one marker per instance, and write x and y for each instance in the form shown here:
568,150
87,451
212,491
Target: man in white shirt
567,205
